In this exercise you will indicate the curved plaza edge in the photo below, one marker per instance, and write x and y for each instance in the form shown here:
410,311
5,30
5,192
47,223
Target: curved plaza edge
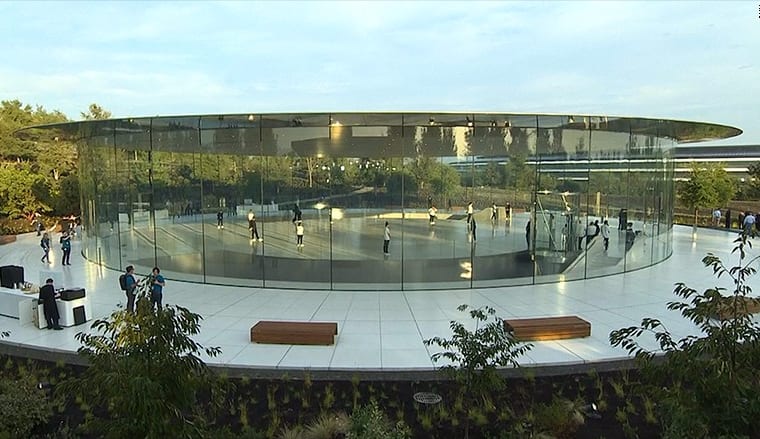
381,333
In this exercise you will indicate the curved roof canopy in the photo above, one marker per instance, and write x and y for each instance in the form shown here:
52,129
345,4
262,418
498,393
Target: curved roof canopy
348,134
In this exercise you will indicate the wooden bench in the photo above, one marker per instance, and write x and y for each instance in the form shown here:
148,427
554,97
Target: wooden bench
548,328
745,305
7,239
311,333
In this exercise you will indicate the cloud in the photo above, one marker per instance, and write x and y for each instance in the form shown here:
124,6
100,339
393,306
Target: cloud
665,59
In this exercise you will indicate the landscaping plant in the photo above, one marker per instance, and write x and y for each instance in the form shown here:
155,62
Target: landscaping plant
475,356
23,405
705,385
145,376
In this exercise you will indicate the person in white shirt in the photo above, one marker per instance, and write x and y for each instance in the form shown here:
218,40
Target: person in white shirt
590,233
580,232
470,211
606,234
299,234
432,213
716,217
386,238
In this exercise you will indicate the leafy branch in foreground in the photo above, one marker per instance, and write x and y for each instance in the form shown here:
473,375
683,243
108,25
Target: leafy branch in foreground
146,371
705,385
475,356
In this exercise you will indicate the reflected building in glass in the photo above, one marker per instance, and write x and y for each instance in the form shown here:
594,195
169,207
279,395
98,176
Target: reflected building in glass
183,193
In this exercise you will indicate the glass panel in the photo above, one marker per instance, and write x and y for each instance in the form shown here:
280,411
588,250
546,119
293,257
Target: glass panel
436,244
130,208
362,198
562,201
176,192
295,178
608,194
504,181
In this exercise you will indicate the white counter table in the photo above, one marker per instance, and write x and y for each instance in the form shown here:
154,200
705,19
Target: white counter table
16,304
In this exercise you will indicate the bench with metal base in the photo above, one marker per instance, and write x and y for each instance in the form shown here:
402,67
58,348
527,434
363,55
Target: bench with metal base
309,333
548,328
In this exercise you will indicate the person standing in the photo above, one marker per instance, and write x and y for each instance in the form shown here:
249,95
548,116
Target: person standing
552,238
494,213
220,219
580,232
749,224
432,212
386,238
716,217
49,307
38,221
591,231
157,288
66,247
299,234
630,236
470,211
131,284
606,234
473,226
527,234
296,214
508,212
45,244
252,226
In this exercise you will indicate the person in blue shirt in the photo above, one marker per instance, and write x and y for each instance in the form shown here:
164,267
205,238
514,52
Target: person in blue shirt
131,287
157,288
66,247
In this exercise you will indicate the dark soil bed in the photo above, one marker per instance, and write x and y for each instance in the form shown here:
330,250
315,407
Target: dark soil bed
267,406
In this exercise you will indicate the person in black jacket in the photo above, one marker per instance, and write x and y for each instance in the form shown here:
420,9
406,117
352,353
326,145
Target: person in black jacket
50,309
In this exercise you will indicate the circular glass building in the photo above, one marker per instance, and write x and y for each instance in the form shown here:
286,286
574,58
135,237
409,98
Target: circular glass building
302,200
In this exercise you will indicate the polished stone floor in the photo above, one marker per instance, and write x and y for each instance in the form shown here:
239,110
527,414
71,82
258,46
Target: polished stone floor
346,253
385,330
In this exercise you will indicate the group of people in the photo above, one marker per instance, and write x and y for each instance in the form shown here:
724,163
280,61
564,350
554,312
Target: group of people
749,222
156,282
591,231
64,240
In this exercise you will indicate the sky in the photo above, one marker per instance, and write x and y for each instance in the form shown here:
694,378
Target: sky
664,59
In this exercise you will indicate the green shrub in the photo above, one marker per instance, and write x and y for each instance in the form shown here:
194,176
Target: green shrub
328,427
23,406
561,418
369,422
15,226
704,385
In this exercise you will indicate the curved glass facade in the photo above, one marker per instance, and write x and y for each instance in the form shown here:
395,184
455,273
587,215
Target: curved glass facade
177,192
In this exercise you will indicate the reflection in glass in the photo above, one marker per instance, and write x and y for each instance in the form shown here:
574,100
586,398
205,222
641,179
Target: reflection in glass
470,199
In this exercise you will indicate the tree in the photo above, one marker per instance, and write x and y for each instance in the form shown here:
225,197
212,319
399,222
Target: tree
398,179
475,356
751,189
95,112
444,181
21,191
145,369
709,185
519,174
705,385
